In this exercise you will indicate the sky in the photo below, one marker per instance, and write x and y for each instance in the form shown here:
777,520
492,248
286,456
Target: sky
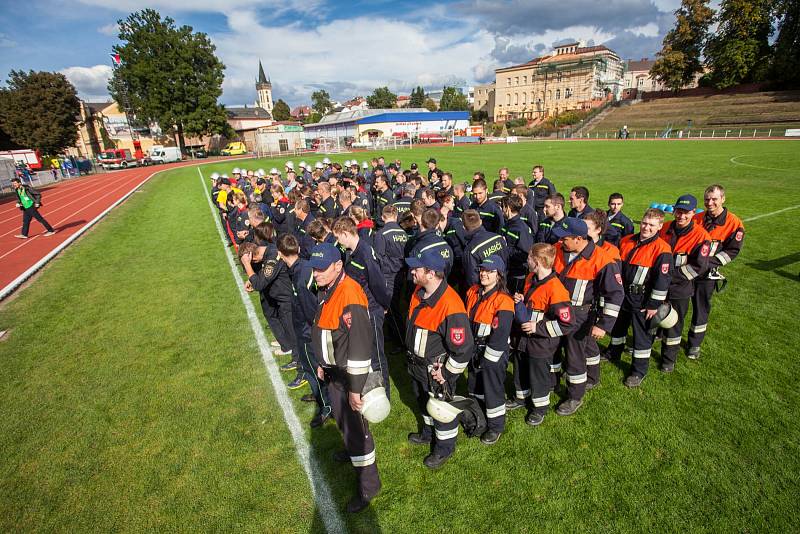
346,48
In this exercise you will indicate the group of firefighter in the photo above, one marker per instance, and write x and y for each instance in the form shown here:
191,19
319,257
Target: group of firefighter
460,280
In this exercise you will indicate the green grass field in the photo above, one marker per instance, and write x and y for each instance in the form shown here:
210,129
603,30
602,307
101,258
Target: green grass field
133,396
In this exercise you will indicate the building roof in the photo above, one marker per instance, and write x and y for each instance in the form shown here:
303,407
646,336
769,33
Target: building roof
642,65
97,107
247,113
352,117
416,116
261,77
554,58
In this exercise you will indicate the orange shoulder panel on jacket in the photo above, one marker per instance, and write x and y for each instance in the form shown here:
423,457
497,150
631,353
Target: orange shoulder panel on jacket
347,293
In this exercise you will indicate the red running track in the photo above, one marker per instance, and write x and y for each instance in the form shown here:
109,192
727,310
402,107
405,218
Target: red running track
69,207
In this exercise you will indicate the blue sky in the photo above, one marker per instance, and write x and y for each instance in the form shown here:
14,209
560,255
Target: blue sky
347,48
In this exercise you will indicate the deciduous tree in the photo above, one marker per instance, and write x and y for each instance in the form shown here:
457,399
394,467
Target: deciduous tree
680,57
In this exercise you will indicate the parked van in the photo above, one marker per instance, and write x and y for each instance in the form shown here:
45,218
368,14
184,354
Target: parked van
234,149
165,154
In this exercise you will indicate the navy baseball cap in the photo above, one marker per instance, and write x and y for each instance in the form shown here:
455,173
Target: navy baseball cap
322,255
570,226
392,166
413,166
431,160
493,263
685,202
430,259
225,181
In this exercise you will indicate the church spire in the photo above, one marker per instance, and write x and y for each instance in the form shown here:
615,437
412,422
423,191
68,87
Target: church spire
261,77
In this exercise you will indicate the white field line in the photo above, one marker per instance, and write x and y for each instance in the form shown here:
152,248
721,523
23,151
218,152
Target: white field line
319,488
733,160
756,217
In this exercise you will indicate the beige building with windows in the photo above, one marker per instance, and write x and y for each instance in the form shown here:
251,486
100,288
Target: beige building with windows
484,99
572,77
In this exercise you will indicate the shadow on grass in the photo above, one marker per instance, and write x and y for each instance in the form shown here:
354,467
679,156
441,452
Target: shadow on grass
774,265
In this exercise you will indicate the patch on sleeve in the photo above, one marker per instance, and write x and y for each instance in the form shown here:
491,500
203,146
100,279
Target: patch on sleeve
269,268
348,319
704,250
739,235
664,268
495,322
564,314
618,277
457,336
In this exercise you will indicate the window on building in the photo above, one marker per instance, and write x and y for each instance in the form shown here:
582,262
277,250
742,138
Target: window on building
283,145
508,100
641,82
558,94
516,80
516,99
524,98
508,82
653,85
524,80
567,93
558,76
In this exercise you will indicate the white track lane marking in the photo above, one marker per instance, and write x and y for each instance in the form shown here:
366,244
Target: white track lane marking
319,488
756,217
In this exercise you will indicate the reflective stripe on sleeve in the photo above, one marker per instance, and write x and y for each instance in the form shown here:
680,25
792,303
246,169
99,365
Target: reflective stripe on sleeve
612,310
553,328
723,258
688,272
358,367
658,295
455,367
484,329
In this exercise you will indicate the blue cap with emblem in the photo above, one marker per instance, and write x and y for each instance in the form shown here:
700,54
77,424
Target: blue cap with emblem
430,259
570,227
322,255
685,202
493,263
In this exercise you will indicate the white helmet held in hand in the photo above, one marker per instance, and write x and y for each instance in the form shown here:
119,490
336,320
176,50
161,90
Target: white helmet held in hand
375,405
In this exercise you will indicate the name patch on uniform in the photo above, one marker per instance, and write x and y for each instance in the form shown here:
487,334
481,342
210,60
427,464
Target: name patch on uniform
618,277
704,250
457,336
348,319
564,314
664,268
739,235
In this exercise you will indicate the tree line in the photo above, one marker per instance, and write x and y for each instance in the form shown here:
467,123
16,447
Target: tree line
732,44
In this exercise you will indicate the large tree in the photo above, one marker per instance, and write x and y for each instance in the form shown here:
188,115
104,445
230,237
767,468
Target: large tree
168,75
40,110
739,51
382,98
281,111
680,56
453,100
417,99
321,102
786,52
430,104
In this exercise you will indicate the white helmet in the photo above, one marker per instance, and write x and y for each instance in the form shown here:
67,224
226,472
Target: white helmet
326,161
214,175
364,165
273,170
442,411
260,172
303,165
224,175
375,404
318,165
236,170
290,165
347,163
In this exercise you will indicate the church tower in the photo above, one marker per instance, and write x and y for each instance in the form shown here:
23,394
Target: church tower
264,90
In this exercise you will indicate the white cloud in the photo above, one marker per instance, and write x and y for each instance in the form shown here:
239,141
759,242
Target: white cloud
112,30
207,6
6,41
648,30
90,82
355,54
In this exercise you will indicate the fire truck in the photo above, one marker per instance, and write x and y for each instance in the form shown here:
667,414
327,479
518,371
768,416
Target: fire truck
117,158
26,157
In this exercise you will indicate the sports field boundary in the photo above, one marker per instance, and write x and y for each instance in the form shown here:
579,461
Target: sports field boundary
320,490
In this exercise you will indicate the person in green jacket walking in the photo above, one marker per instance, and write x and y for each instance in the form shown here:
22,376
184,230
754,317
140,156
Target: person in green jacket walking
29,201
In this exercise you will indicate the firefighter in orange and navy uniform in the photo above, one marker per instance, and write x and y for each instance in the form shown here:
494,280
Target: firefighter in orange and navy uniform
727,236
646,275
491,313
440,346
344,340
544,313
589,274
691,245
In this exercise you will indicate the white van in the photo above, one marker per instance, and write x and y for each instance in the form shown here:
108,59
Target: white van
165,154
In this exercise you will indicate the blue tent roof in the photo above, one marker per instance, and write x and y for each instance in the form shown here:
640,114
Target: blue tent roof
416,117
